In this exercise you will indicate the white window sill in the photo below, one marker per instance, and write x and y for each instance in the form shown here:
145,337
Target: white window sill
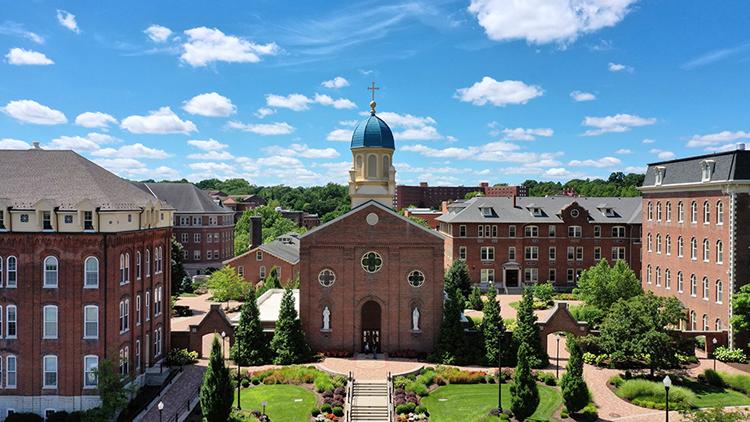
89,387
91,338
91,287
49,387
49,287
49,338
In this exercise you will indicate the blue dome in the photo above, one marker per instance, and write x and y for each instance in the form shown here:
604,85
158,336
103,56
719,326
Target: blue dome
372,133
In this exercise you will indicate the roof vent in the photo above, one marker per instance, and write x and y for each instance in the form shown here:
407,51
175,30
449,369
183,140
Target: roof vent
35,144
740,146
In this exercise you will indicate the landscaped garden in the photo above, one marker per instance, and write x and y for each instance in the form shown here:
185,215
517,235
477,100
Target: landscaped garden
283,402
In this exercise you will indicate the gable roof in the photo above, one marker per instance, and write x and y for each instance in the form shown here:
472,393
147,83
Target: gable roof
65,179
625,210
285,247
373,203
185,197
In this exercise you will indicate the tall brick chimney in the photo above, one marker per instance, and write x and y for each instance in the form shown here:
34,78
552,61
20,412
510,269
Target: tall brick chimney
256,231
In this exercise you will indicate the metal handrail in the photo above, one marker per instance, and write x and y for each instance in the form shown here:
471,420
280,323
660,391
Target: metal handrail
349,393
186,405
390,396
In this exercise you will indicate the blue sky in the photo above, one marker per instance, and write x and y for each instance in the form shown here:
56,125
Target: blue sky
475,90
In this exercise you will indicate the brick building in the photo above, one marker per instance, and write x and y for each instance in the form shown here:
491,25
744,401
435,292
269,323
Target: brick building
240,203
425,196
300,218
203,227
282,253
693,212
516,241
84,276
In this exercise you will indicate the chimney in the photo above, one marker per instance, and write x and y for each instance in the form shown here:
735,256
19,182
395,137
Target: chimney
423,184
513,198
256,231
740,146
35,144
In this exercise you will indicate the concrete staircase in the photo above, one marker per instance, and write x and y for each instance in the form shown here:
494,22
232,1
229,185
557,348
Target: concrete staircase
369,401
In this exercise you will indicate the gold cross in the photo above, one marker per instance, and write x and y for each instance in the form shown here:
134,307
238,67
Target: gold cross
373,88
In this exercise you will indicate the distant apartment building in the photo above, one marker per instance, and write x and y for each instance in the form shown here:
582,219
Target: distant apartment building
694,212
203,227
425,196
300,218
512,242
237,203
427,214
84,276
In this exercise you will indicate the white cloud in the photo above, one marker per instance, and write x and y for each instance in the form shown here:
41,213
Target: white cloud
8,143
424,133
580,96
616,123
131,151
623,151
210,104
18,30
207,45
415,128
19,56
617,67
335,83
340,135
713,139
30,111
494,151
132,168
212,155
338,103
90,142
523,134
161,121
497,93
302,150
349,123
67,20
265,129
635,169
404,120
208,145
648,141
213,167
158,33
264,112
601,162
95,119
662,154
545,21
299,102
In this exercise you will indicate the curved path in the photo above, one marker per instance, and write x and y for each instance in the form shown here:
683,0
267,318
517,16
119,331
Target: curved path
365,368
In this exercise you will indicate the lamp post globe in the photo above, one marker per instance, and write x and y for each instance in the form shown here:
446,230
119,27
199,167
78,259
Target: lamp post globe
713,350
160,406
667,383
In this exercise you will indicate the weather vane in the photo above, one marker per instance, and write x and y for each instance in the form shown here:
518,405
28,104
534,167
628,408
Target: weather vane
373,88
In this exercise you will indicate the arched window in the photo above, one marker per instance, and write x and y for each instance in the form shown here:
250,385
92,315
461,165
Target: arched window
11,321
719,212
667,279
649,243
693,285
717,324
719,291
648,274
11,274
138,265
148,263
1,271
668,211
680,247
372,166
91,267
706,251
49,318
705,322
386,167
668,245
680,286
719,252
650,211
658,277
50,271
680,212
124,315
658,211
658,243
693,321
705,288
127,267
358,160
122,268
706,212
693,212
693,249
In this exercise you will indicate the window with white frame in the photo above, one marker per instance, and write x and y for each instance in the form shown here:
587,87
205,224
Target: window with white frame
462,252
719,252
49,368
124,315
11,322
531,275
90,369
147,303
618,252
157,341
597,231
658,243
706,251
196,238
531,253
50,272
1,333
138,355
705,288
680,212
650,211
719,291
552,275
138,266
706,212
680,247
197,255
571,276
531,231
184,238
159,260
138,309
2,273
487,253
511,253
124,358
667,279
91,277
487,275
668,211
158,300
659,175
49,326
574,231
706,170
693,285
693,249
123,277
597,253
719,213
11,371
552,230
693,212
680,282
579,253
668,245
90,322
262,272
705,322
658,211
693,321
148,263
480,231
552,253
618,231
649,243
462,230
571,253
209,255
648,274
511,231
494,231
658,277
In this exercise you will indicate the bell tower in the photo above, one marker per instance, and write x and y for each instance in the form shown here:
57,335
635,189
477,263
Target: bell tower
372,176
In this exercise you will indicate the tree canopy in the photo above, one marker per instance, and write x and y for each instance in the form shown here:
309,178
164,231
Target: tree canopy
288,341
250,346
741,309
602,285
216,390
527,332
274,225
618,184
225,284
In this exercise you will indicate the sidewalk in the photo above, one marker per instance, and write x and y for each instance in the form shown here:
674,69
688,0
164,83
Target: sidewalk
178,394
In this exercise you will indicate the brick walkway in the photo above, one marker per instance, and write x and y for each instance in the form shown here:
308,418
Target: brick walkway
176,396
368,369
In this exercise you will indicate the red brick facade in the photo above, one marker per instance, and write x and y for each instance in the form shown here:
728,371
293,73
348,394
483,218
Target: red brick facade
357,295
207,240
70,296
255,264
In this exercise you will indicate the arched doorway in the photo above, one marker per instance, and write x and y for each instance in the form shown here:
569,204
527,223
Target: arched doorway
371,334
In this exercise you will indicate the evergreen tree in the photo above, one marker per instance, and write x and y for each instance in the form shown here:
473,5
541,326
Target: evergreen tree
216,393
288,341
250,347
527,331
458,276
451,337
524,395
574,390
178,270
493,328
475,299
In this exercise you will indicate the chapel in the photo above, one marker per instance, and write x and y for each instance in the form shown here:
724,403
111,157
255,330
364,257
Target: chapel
371,280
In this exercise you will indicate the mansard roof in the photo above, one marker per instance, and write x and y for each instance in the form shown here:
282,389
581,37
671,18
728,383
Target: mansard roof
730,166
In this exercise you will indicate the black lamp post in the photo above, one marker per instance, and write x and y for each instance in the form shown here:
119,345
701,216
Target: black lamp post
264,403
500,368
557,365
713,351
223,337
667,384
160,406
239,384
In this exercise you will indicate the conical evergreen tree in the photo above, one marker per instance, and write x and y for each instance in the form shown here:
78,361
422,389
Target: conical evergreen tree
250,347
458,276
527,331
524,395
288,342
451,338
574,390
475,299
493,328
216,393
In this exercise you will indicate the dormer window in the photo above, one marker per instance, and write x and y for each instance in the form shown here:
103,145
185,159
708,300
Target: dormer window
536,212
707,168
2,220
46,220
487,211
607,211
659,176
88,220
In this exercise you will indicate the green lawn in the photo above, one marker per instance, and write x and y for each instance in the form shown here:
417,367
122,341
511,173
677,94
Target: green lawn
471,402
709,396
285,402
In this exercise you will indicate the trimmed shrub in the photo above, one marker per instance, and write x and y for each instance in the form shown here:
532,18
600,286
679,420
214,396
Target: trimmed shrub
245,383
405,408
589,413
180,357
726,354
616,381
315,412
417,388
326,408
651,394
421,410
338,411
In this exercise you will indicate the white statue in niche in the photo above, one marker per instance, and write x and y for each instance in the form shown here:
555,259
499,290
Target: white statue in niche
326,318
415,319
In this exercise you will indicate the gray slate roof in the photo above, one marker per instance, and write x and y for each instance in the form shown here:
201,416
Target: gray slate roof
728,166
286,249
66,179
626,210
185,197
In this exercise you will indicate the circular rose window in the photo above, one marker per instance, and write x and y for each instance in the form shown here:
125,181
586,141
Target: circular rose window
326,278
574,213
372,262
416,278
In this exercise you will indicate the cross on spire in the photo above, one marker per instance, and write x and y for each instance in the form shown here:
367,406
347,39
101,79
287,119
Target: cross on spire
373,88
